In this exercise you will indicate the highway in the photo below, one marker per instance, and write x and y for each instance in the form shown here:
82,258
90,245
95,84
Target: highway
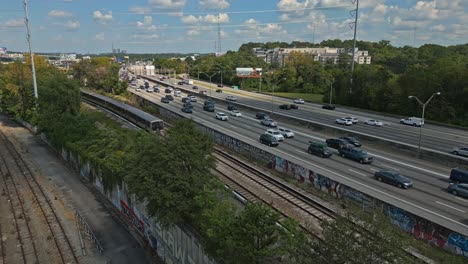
434,137
428,198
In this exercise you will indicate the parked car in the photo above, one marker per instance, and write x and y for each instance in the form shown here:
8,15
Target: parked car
193,98
231,98
261,115
394,178
356,154
285,106
298,101
235,113
353,119
459,175
328,107
187,110
231,107
287,133
209,108
195,87
164,100
268,122
319,149
352,141
336,143
222,116
269,140
293,106
185,99
412,121
169,97
461,151
460,189
275,133
343,121
373,122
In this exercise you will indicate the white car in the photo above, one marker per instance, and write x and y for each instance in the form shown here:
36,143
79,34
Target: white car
461,151
343,121
352,119
235,113
149,90
231,98
287,133
222,116
192,98
412,121
275,133
373,122
298,101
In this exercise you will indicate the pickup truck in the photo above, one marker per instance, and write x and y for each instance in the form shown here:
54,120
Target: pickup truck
356,154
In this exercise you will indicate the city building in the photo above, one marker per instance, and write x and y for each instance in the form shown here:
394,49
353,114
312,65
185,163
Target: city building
280,55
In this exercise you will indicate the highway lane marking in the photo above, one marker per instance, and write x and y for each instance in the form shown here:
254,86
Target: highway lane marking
247,139
461,199
357,172
390,167
232,126
454,208
372,169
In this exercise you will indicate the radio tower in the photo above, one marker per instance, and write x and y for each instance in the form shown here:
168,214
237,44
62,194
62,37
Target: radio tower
353,25
28,36
219,36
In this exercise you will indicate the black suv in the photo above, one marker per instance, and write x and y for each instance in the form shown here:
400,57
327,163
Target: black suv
167,90
269,140
195,87
328,107
319,149
209,108
185,99
219,91
285,106
336,143
165,100
261,115
356,154
352,141
231,107
169,97
294,106
188,105
209,102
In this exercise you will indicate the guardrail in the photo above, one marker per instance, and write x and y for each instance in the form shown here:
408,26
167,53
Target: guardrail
83,226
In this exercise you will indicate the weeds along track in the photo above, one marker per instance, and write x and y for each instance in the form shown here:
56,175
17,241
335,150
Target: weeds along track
40,236
292,203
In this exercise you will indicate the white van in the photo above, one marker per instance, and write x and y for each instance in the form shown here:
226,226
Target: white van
177,93
412,121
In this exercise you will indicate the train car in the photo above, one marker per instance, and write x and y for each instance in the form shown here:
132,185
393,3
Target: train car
140,118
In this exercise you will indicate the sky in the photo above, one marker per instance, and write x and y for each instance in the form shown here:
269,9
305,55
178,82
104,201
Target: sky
191,26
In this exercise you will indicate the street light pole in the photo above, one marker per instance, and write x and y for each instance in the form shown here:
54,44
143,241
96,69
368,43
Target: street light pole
209,76
422,116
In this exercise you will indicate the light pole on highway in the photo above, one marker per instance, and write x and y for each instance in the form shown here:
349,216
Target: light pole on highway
331,88
423,111
209,76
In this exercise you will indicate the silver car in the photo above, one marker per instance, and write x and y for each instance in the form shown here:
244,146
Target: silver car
461,151
460,189
269,122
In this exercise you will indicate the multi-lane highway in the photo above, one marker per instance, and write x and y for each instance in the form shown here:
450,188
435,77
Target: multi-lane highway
428,198
434,137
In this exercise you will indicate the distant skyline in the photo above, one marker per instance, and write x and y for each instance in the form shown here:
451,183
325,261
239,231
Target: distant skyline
191,26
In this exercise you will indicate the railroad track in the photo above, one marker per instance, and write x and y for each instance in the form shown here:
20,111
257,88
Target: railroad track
282,197
22,189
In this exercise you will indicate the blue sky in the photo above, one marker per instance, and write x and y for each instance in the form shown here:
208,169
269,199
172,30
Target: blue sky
190,26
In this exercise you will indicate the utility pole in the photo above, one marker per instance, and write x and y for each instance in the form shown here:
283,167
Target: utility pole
354,25
26,21
219,35
313,36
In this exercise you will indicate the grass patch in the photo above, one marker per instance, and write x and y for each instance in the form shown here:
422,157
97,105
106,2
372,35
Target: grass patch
316,98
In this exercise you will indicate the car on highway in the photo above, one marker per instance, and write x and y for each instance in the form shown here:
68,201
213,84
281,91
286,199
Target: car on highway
285,106
203,92
336,143
373,122
460,151
156,89
177,93
187,110
222,116
219,90
298,101
180,83
267,121
195,87
293,106
209,102
459,175
235,113
138,89
220,85
460,189
193,98
352,141
149,90
353,119
231,98
343,121
412,121
188,105
319,149
231,107
168,90
164,100
393,178
261,115
169,97
287,133
328,107
209,108
353,153
269,140
185,99
275,133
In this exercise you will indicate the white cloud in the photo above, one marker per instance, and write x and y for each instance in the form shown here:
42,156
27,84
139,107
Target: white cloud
140,9
145,36
13,23
191,19
214,4
223,18
193,32
59,13
438,27
284,17
167,4
102,17
72,25
146,24
99,36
